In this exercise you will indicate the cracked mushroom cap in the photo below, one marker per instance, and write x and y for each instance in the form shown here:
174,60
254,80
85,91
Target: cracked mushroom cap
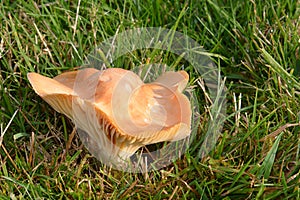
115,111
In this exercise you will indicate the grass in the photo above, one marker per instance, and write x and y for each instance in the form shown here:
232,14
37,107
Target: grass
256,43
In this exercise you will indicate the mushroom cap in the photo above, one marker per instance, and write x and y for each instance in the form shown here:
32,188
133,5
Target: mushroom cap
116,112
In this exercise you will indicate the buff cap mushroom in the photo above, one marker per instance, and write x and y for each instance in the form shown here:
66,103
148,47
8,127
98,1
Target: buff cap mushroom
115,112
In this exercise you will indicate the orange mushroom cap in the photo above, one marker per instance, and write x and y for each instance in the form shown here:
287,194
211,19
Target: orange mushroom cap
116,111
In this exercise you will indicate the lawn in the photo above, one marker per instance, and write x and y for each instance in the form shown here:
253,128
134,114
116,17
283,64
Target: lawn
255,44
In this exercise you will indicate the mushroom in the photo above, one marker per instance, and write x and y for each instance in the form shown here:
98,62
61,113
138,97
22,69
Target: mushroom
115,112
